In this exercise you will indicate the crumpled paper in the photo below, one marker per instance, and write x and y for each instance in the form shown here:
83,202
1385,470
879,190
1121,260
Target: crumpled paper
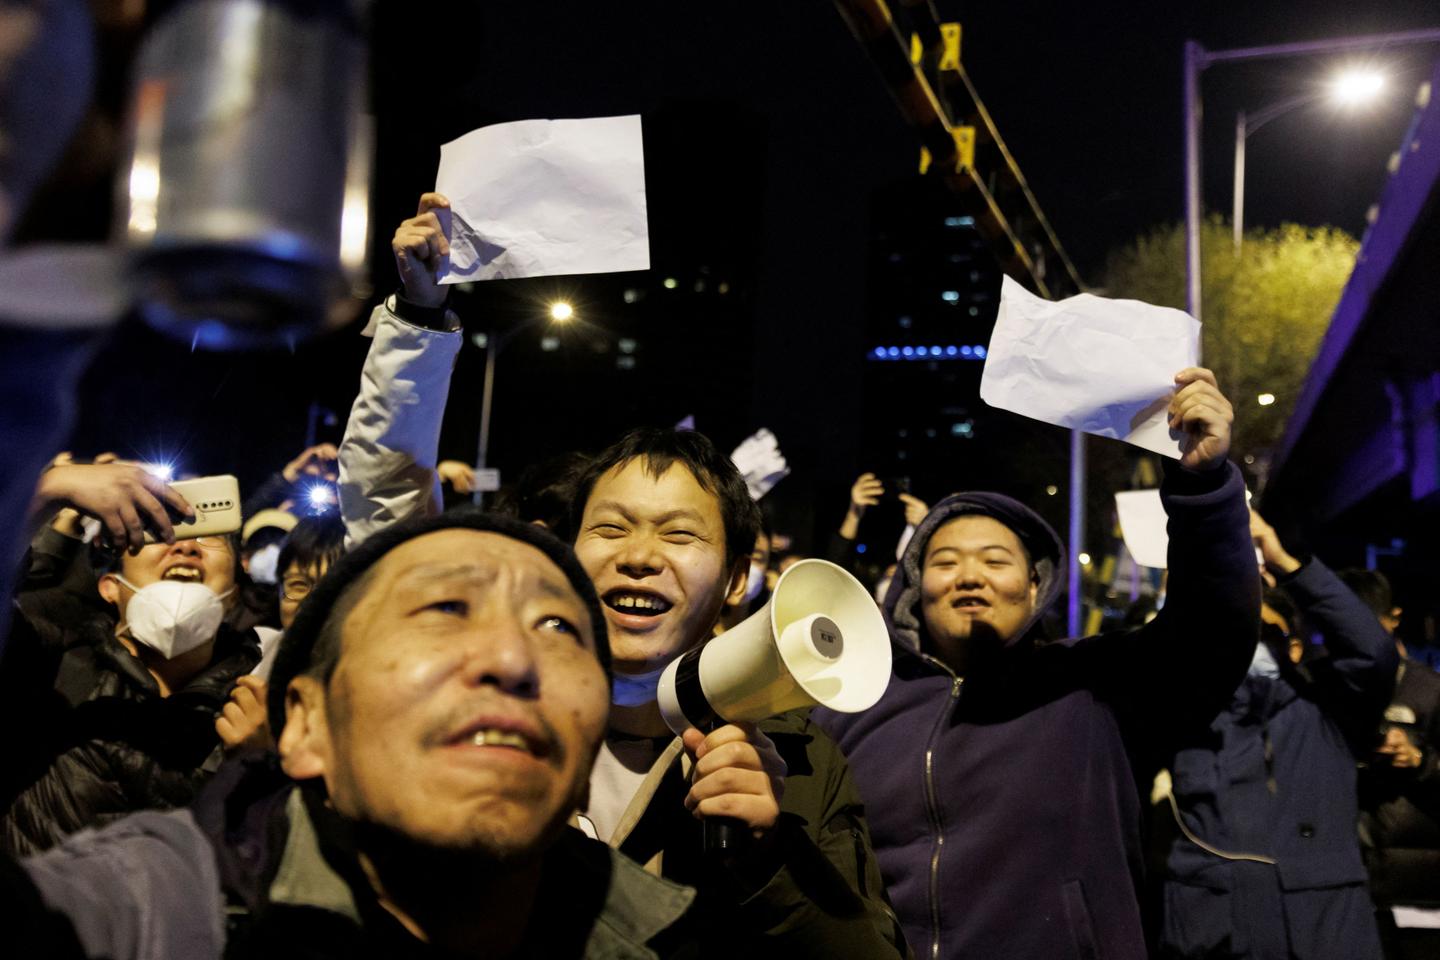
760,462
1089,363
538,198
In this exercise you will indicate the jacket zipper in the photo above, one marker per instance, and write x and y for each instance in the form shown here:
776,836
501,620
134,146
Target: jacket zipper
932,805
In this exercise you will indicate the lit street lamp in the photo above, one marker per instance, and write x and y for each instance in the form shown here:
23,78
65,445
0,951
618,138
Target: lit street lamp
1196,60
1352,88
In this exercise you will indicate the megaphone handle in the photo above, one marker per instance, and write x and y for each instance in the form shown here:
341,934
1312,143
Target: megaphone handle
724,836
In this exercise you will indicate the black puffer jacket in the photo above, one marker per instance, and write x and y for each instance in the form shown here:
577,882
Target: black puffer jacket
91,737
1400,808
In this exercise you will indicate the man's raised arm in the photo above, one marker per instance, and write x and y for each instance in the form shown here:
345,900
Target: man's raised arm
1186,663
388,456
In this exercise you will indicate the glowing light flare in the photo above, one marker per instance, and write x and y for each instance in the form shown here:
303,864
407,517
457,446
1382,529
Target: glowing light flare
165,471
1355,87
560,311
144,194
1084,559
1265,399
354,227
320,497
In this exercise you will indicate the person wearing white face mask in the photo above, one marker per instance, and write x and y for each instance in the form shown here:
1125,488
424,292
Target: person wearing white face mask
737,608
118,713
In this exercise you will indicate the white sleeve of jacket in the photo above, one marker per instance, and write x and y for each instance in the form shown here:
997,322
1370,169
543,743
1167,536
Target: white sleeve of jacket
388,456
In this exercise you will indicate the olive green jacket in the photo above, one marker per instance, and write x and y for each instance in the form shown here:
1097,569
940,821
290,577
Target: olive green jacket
816,891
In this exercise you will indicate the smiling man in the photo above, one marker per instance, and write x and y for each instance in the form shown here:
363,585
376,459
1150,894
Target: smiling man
997,767
664,526
439,699
120,710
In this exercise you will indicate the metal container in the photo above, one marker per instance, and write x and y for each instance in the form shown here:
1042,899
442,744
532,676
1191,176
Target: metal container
244,197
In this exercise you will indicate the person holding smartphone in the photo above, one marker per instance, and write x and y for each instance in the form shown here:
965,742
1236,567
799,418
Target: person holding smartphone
118,705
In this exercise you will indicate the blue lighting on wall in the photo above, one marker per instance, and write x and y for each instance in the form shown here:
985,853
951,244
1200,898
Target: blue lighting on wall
950,352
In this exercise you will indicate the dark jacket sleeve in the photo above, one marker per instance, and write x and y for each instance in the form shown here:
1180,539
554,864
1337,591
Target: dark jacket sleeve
1357,677
271,493
1426,792
819,892
60,563
1181,668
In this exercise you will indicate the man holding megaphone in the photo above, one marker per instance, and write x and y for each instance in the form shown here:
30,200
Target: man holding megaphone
664,526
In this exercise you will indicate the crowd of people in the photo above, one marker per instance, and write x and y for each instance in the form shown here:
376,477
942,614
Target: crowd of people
385,728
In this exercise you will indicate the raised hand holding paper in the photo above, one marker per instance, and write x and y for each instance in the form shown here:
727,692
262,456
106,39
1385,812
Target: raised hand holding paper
538,198
1106,367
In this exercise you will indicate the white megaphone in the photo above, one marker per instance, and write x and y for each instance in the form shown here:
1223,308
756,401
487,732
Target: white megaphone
820,641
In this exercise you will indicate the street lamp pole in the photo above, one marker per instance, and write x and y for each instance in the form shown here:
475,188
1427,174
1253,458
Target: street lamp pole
1196,59
1246,127
559,312
1237,215
487,392
1194,62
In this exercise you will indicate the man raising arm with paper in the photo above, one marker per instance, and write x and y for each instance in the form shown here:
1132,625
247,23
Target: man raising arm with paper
996,770
665,524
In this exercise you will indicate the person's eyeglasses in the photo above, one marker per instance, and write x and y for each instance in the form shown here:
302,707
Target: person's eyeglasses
211,543
297,589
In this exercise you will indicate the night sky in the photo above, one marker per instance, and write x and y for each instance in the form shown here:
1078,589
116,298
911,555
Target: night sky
769,141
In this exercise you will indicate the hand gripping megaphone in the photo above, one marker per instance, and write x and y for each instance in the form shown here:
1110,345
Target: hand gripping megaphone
820,641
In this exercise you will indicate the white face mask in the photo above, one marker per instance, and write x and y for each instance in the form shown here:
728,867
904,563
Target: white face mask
171,617
264,563
756,583
635,689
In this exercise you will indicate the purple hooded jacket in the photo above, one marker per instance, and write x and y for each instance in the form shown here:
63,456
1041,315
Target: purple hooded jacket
1003,805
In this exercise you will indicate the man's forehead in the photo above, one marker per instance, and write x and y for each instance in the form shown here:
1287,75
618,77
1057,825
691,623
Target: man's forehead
975,530
476,555
638,485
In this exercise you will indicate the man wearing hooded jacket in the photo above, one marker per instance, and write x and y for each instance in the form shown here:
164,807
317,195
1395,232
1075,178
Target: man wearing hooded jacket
997,769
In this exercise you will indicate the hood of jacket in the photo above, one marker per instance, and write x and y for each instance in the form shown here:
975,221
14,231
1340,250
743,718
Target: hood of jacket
902,605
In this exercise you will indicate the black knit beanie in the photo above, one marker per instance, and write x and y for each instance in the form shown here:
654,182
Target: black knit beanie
293,657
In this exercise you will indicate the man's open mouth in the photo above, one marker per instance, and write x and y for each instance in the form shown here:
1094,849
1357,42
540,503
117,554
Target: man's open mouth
970,603
184,573
637,603
509,734
499,738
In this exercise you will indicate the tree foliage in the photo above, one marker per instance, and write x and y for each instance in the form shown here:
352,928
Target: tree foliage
1265,311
